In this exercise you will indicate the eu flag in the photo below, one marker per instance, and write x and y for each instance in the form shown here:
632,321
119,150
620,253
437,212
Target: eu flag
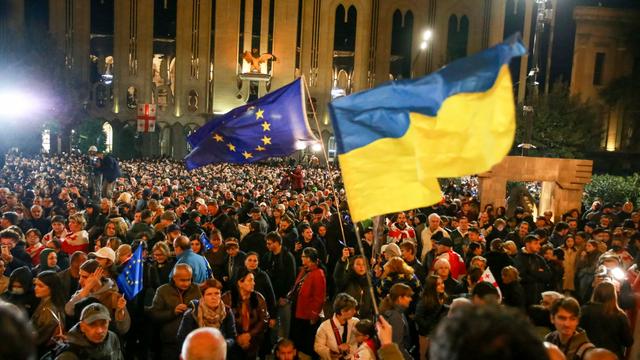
130,280
267,127
205,242
395,140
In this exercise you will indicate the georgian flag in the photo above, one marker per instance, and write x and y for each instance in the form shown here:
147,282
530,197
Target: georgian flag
488,277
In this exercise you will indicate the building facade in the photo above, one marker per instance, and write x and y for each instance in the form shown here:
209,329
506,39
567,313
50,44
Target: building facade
188,56
605,51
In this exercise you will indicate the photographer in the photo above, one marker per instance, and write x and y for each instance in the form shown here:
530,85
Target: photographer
94,173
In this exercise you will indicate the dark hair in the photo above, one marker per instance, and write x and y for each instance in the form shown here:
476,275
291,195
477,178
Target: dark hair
53,282
409,246
566,303
33,230
530,238
10,234
560,226
241,274
56,243
366,327
90,266
273,236
254,225
464,336
430,297
485,291
344,301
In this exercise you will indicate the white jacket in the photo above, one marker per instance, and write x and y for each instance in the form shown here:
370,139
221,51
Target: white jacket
326,343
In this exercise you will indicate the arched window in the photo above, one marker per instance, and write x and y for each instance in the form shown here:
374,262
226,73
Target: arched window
457,37
108,131
165,141
401,40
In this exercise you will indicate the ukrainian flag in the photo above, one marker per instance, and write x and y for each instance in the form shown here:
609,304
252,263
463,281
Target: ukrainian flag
395,140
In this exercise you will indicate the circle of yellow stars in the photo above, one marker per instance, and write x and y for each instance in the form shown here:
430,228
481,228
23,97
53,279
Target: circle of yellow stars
266,140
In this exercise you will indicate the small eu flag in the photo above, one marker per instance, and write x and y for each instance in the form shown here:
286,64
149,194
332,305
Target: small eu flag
130,280
205,242
268,127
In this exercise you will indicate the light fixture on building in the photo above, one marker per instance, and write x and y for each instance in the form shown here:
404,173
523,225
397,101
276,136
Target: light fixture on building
317,147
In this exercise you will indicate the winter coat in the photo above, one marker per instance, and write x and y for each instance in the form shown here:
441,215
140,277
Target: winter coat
355,285
534,275
615,335
401,333
80,348
189,323
162,310
569,265
258,318
108,296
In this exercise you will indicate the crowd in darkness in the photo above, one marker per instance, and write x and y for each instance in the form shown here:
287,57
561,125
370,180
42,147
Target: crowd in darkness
283,276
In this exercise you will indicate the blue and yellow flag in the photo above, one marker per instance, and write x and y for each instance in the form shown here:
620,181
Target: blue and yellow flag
395,140
130,280
268,127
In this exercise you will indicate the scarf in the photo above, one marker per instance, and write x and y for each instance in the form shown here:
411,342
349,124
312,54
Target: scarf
208,317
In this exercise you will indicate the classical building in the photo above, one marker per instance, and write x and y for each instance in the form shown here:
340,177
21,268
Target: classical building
605,51
187,56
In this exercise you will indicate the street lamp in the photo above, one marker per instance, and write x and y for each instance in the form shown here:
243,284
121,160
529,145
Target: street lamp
543,16
424,45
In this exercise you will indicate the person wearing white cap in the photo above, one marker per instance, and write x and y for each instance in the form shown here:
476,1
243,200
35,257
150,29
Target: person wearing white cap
90,338
106,257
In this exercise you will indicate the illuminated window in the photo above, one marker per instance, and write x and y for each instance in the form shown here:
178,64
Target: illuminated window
108,131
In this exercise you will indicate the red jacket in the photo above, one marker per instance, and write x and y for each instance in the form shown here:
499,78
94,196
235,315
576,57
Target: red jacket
311,295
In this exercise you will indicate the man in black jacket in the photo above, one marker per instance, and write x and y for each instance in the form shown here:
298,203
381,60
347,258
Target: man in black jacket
534,272
280,265
110,170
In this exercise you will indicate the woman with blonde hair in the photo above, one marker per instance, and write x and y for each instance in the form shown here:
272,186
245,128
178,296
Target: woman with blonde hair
397,271
78,239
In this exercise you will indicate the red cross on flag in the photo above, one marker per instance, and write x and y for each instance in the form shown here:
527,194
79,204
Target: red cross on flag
146,117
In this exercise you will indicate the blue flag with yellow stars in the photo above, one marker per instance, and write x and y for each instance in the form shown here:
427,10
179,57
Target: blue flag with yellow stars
268,127
130,280
205,242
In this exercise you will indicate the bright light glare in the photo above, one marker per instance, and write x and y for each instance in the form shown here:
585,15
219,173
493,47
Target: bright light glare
14,104
423,45
301,145
426,36
316,147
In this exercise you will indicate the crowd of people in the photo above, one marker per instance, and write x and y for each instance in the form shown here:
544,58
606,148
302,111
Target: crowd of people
262,261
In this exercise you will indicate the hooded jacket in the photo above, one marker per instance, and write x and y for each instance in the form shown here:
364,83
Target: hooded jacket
108,296
81,348
27,300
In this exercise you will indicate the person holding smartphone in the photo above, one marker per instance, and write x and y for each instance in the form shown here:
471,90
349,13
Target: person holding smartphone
13,252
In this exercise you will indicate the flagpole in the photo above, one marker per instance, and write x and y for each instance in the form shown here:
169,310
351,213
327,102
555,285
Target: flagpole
355,226
326,157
